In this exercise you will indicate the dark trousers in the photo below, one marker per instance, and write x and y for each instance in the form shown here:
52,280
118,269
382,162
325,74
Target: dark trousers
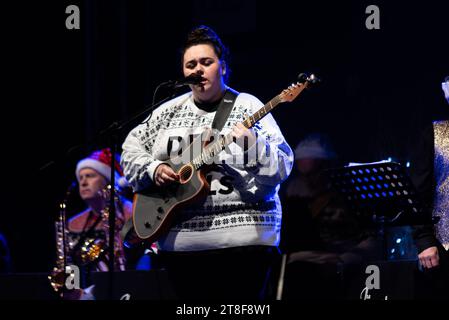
224,274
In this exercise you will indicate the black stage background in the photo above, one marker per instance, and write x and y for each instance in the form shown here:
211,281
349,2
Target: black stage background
62,87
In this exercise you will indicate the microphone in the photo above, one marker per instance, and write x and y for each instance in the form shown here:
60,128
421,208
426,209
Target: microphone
193,78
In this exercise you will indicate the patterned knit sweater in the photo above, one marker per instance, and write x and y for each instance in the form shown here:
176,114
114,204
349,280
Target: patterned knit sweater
242,207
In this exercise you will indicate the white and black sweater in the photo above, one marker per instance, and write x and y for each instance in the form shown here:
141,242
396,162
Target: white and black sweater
243,206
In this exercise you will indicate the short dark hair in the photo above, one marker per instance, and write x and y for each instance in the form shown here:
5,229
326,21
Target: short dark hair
205,35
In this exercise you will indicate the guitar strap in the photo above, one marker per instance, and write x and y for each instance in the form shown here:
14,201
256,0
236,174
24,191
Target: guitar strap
224,109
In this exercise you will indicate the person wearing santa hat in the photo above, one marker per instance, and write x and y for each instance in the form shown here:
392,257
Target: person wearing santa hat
87,232
94,175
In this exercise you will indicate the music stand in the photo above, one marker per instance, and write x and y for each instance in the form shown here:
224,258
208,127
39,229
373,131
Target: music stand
381,190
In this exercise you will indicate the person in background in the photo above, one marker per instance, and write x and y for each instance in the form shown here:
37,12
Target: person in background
320,236
430,175
87,233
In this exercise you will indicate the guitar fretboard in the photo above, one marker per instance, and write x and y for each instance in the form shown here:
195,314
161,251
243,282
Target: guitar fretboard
211,150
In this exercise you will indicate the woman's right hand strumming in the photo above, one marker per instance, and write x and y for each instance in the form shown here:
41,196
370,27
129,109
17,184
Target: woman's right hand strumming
165,175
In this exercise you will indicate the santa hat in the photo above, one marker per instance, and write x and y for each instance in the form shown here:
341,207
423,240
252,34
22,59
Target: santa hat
100,161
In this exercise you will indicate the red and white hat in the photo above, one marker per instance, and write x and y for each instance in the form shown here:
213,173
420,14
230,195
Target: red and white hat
100,161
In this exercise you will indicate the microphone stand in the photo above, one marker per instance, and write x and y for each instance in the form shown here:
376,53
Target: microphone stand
112,132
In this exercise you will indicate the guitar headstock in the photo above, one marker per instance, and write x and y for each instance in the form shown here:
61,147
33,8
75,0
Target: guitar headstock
311,79
304,81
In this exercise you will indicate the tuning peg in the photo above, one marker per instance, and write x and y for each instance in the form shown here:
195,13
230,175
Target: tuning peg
302,77
314,79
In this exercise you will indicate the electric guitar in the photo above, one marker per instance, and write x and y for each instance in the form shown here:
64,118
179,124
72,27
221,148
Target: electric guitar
155,207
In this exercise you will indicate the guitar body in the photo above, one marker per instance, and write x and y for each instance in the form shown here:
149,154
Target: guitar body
155,208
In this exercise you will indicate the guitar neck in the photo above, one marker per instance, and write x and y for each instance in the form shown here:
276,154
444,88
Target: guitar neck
211,150
215,147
